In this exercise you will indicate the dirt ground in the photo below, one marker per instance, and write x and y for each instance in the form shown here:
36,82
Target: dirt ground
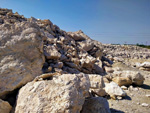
136,96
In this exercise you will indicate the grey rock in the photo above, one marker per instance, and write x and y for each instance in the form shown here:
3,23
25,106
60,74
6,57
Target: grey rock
96,105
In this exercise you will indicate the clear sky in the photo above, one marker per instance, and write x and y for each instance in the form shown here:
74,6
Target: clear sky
108,21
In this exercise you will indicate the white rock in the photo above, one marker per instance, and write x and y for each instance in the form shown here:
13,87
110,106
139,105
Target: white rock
124,87
148,95
97,84
113,89
144,105
136,77
64,94
145,65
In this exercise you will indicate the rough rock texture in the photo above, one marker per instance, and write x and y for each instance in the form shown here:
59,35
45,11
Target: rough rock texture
64,94
126,51
96,105
122,81
5,107
24,43
97,84
21,57
114,90
136,77
145,66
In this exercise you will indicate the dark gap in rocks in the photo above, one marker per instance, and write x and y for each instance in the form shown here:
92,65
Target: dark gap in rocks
115,111
48,78
11,97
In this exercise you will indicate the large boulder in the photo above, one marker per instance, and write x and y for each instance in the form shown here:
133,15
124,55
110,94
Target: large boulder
21,55
64,94
97,84
96,105
5,107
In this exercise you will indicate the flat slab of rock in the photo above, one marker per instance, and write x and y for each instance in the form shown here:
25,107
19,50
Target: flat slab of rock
5,107
96,105
122,81
64,94
21,57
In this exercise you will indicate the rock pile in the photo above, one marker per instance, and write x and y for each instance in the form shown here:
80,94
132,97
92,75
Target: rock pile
45,69
31,47
118,52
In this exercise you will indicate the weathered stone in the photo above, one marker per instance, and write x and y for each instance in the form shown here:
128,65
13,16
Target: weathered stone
51,52
97,84
21,55
108,69
64,94
75,36
113,89
145,65
105,80
98,67
86,45
58,65
96,105
122,81
136,77
87,62
46,22
109,77
98,53
144,105
5,107
124,88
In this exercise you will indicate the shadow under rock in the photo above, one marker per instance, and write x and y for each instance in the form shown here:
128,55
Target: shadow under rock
144,86
127,97
115,111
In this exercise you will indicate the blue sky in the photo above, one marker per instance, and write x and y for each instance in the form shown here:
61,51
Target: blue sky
108,21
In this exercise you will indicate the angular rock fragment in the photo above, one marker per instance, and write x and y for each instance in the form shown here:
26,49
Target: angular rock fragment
114,90
136,77
65,93
122,81
97,84
96,105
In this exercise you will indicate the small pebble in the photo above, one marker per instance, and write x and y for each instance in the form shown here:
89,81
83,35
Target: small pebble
135,89
130,88
119,98
144,105
124,87
148,95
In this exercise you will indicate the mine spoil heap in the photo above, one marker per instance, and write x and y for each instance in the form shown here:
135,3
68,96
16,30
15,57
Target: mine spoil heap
44,69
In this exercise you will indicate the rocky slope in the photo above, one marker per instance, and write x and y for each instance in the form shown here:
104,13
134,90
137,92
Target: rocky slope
45,69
